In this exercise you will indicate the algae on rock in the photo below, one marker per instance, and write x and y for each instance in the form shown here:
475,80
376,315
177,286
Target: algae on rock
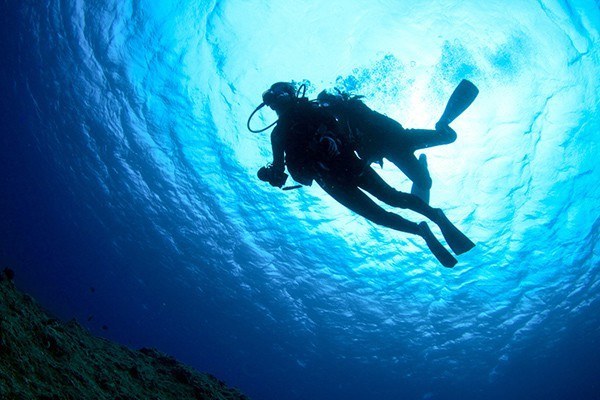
43,358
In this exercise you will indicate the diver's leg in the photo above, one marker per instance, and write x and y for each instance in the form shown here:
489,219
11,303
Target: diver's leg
400,151
423,192
356,200
424,138
415,169
372,183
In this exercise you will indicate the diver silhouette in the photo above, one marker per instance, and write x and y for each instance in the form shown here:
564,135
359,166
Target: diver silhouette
309,141
375,136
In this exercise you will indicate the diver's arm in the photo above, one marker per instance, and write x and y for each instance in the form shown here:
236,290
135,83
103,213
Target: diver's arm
278,163
274,172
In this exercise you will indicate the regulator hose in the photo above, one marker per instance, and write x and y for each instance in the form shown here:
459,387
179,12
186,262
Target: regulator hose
261,105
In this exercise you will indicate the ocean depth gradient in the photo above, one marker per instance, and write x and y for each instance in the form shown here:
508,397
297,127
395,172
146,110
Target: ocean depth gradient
129,198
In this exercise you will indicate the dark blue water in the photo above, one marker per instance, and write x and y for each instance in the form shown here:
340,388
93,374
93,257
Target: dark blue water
129,198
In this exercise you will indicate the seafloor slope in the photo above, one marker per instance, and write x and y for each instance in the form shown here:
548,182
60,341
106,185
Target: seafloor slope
43,358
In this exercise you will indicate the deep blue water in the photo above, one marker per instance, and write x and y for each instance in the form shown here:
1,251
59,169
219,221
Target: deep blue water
129,197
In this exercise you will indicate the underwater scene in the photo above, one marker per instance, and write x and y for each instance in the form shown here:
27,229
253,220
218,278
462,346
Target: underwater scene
132,195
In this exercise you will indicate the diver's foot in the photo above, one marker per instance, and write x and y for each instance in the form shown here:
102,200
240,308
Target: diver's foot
441,125
444,129
458,241
422,192
436,248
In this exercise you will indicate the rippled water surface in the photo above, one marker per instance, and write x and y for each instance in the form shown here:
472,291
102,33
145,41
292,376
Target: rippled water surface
130,198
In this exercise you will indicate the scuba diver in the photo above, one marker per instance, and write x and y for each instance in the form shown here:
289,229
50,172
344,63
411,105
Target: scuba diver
308,140
375,136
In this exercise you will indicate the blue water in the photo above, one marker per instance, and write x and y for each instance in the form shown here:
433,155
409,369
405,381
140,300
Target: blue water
129,197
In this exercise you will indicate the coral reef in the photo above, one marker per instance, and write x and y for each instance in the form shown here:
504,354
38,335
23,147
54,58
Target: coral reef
43,358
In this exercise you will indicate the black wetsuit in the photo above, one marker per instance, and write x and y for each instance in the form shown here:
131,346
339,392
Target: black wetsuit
376,136
295,143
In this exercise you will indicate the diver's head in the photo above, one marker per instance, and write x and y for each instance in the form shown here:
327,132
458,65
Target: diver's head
280,96
329,99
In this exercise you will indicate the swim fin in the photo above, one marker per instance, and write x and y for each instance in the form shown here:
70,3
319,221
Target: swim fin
462,97
458,241
436,248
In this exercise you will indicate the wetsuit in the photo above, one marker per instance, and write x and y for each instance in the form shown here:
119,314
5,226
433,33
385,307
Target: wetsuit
376,136
298,143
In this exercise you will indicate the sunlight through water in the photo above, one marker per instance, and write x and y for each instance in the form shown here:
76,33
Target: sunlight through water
132,125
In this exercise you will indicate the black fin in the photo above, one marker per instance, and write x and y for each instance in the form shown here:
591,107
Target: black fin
462,97
436,248
458,241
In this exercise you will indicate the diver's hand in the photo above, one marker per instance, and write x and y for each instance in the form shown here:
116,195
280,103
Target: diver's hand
275,178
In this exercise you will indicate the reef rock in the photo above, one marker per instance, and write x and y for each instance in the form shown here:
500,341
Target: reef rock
43,358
